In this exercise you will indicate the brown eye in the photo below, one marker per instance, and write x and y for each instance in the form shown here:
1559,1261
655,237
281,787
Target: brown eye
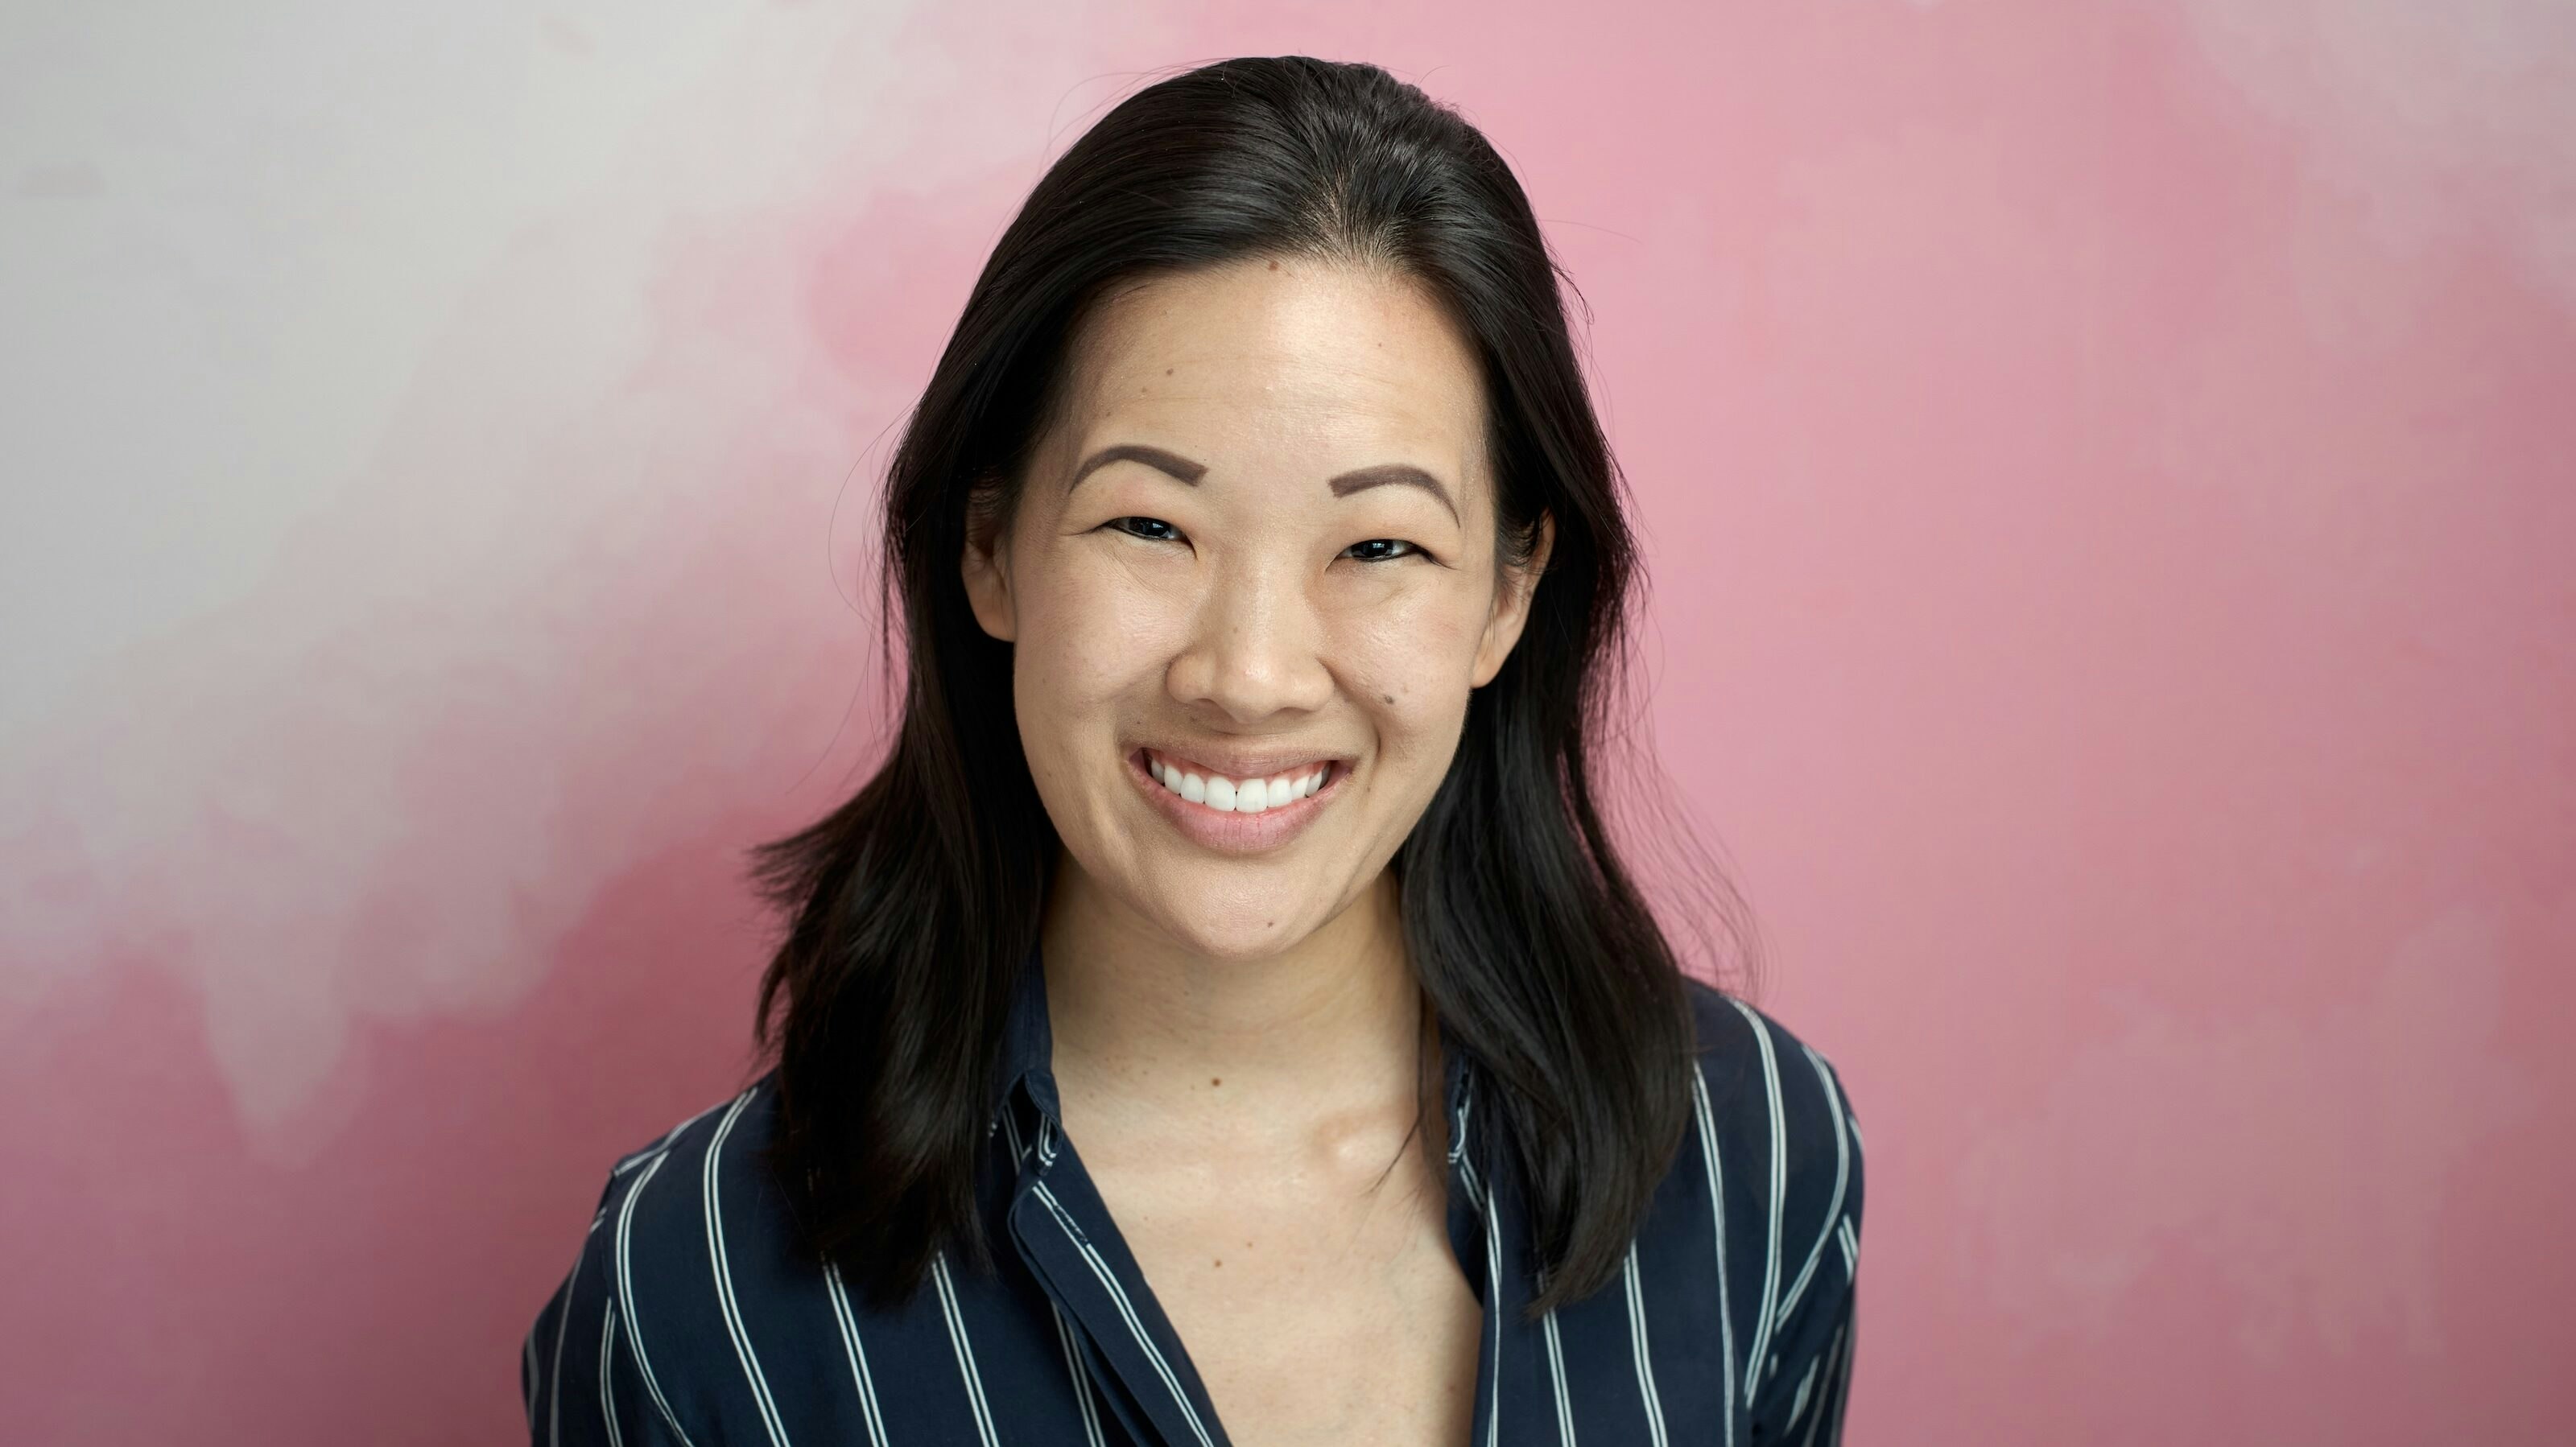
1151,529
1381,550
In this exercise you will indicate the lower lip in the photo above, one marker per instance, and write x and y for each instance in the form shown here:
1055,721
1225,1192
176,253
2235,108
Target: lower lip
1229,832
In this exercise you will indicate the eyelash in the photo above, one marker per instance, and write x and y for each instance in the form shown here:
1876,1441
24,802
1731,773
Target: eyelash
1173,534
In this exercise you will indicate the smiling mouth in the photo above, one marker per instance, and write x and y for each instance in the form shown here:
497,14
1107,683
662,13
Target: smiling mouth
1221,794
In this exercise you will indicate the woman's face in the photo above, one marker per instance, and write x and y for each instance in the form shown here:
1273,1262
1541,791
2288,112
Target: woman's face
1250,581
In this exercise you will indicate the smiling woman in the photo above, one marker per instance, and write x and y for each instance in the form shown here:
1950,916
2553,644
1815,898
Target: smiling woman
1221,595
1226,1015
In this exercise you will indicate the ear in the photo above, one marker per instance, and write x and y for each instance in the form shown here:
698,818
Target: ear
1513,590
986,566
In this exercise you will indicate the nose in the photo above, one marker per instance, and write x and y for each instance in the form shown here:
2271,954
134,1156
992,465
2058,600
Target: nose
1256,645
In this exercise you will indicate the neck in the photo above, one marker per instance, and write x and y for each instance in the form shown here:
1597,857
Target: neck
1331,1025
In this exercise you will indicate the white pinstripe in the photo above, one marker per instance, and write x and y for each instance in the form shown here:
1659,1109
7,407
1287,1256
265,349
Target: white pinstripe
1081,1380
626,1292
1833,1364
608,1359
1717,1214
859,1379
664,1144
965,1349
528,1371
1484,1200
1063,1329
1799,1404
1834,1207
1010,1127
1118,1294
1653,1399
1779,1186
1556,1371
724,1277
563,1321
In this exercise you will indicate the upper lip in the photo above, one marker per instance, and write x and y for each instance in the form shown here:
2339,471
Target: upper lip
1228,763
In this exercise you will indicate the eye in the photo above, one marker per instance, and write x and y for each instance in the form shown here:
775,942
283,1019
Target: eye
1153,530
1382,550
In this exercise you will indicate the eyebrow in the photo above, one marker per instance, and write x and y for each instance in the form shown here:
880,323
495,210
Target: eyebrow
1393,474
1153,457
1172,464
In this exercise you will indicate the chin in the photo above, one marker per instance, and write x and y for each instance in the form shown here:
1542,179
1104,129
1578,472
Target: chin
1239,932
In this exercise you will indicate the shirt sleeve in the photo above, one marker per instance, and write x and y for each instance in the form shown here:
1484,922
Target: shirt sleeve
1804,1389
1804,1403
577,1367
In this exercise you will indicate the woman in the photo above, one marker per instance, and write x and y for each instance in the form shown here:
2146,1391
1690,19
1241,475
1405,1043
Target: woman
1225,1016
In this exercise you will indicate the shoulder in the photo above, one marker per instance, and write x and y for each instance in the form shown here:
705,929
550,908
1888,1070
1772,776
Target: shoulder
684,1250
1781,1145
701,1178
1773,1107
743,1118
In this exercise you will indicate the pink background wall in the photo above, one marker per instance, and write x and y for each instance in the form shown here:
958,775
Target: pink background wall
2106,469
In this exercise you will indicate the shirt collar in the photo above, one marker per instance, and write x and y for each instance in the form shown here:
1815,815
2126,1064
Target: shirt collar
1028,1045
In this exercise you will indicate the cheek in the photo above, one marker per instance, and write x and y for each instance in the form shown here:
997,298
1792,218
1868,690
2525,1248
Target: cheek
1091,635
1411,657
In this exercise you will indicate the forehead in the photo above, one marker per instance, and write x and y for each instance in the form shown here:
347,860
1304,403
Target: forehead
1281,352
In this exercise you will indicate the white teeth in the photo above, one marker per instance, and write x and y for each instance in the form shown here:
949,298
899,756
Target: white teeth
1249,796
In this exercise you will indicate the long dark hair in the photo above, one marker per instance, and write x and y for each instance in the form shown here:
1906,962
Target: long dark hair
912,907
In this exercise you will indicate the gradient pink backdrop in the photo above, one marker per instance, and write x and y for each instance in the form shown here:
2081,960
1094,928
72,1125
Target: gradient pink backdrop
2106,472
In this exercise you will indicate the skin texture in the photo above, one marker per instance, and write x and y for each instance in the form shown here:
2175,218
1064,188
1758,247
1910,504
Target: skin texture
1239,1043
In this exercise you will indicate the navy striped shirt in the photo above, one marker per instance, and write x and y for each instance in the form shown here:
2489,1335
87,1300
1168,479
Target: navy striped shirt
688,1319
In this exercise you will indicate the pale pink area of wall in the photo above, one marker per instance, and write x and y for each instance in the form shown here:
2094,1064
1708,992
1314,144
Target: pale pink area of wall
2109,511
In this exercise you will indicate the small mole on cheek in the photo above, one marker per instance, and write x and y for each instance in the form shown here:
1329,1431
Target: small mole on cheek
1212,1080
1390,698
1220,1261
